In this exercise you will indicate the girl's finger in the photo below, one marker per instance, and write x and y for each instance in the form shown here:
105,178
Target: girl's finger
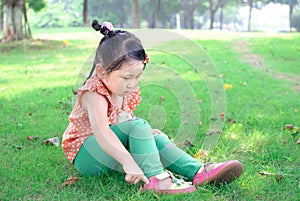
136,180
145,179
128,178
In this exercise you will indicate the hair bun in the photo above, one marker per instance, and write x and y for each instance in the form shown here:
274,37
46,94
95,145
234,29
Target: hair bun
96,25
107,28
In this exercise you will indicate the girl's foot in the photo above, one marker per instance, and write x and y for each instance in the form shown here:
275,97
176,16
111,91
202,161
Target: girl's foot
166,183
218,172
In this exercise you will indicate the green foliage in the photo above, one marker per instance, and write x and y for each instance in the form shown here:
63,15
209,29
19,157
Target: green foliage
61,13
36,5
117,12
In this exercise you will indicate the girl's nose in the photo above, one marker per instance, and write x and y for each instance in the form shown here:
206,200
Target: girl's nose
133,84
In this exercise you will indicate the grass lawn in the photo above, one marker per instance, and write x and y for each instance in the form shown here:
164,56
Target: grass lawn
262,71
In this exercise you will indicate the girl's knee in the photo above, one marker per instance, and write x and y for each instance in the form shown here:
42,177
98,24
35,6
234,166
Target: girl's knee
162,138
139,122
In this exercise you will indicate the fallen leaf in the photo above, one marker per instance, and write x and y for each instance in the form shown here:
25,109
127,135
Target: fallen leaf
289,126
54,140
266,173
162,98
199,101
231,120
298,141
187,143
214,131
278,176
222,115
17,147
228,86
65,42
70,181
202,155
32,137
200,123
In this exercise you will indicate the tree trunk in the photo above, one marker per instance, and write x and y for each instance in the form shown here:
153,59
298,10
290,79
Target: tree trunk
18,17
291,17
28,33
85,13
157,19
221,17
190,20
213,10
123,18
136,14
1,17
8,28
12,20
249,17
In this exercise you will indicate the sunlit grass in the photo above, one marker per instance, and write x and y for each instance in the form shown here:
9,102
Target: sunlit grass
36,82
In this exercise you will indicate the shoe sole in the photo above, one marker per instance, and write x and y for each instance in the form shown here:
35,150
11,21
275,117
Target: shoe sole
228,173
168,191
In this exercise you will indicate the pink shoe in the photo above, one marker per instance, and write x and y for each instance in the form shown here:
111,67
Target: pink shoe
166,183
218,172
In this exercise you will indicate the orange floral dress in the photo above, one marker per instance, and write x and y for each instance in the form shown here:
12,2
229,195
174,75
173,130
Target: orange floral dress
79,128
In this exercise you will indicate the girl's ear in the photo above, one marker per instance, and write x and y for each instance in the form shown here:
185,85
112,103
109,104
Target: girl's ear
100,71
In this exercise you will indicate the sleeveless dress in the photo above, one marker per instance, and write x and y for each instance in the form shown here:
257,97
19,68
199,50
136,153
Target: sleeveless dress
79,128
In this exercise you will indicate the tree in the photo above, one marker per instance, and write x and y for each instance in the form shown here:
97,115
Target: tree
13,13
12,20
223,3
214,5
291,4
189,7
1,15
159,13
117,12
85,13
136,21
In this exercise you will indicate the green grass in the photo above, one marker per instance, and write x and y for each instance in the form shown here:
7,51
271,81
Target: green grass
36,82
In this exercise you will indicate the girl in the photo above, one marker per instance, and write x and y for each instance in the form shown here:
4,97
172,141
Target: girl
103,134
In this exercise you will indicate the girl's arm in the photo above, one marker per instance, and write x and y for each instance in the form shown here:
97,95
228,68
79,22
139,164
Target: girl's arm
97,105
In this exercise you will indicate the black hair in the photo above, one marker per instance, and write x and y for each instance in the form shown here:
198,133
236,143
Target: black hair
115,48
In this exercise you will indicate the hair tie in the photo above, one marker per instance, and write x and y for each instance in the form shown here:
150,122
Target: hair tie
106,28
146,59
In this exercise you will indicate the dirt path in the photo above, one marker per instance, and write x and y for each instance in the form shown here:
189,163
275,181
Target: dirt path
256,61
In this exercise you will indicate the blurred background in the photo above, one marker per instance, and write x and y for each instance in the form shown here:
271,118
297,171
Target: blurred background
19,16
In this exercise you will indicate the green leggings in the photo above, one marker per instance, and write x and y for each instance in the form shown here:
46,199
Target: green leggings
151,152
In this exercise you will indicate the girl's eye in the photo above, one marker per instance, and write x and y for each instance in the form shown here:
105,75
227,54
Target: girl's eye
126,78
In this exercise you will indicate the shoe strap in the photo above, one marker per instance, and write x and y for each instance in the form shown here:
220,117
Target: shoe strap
168,174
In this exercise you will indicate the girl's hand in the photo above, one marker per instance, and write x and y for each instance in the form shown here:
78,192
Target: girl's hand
134,174
156,131
134,179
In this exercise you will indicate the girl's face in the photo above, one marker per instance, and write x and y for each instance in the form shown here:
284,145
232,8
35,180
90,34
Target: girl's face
124,80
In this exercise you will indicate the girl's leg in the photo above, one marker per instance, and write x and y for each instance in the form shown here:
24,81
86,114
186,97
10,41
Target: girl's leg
93,160
143,148
175,159
135,135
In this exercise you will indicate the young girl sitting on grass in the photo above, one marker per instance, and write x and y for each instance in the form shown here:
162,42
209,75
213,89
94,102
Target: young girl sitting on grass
104,136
